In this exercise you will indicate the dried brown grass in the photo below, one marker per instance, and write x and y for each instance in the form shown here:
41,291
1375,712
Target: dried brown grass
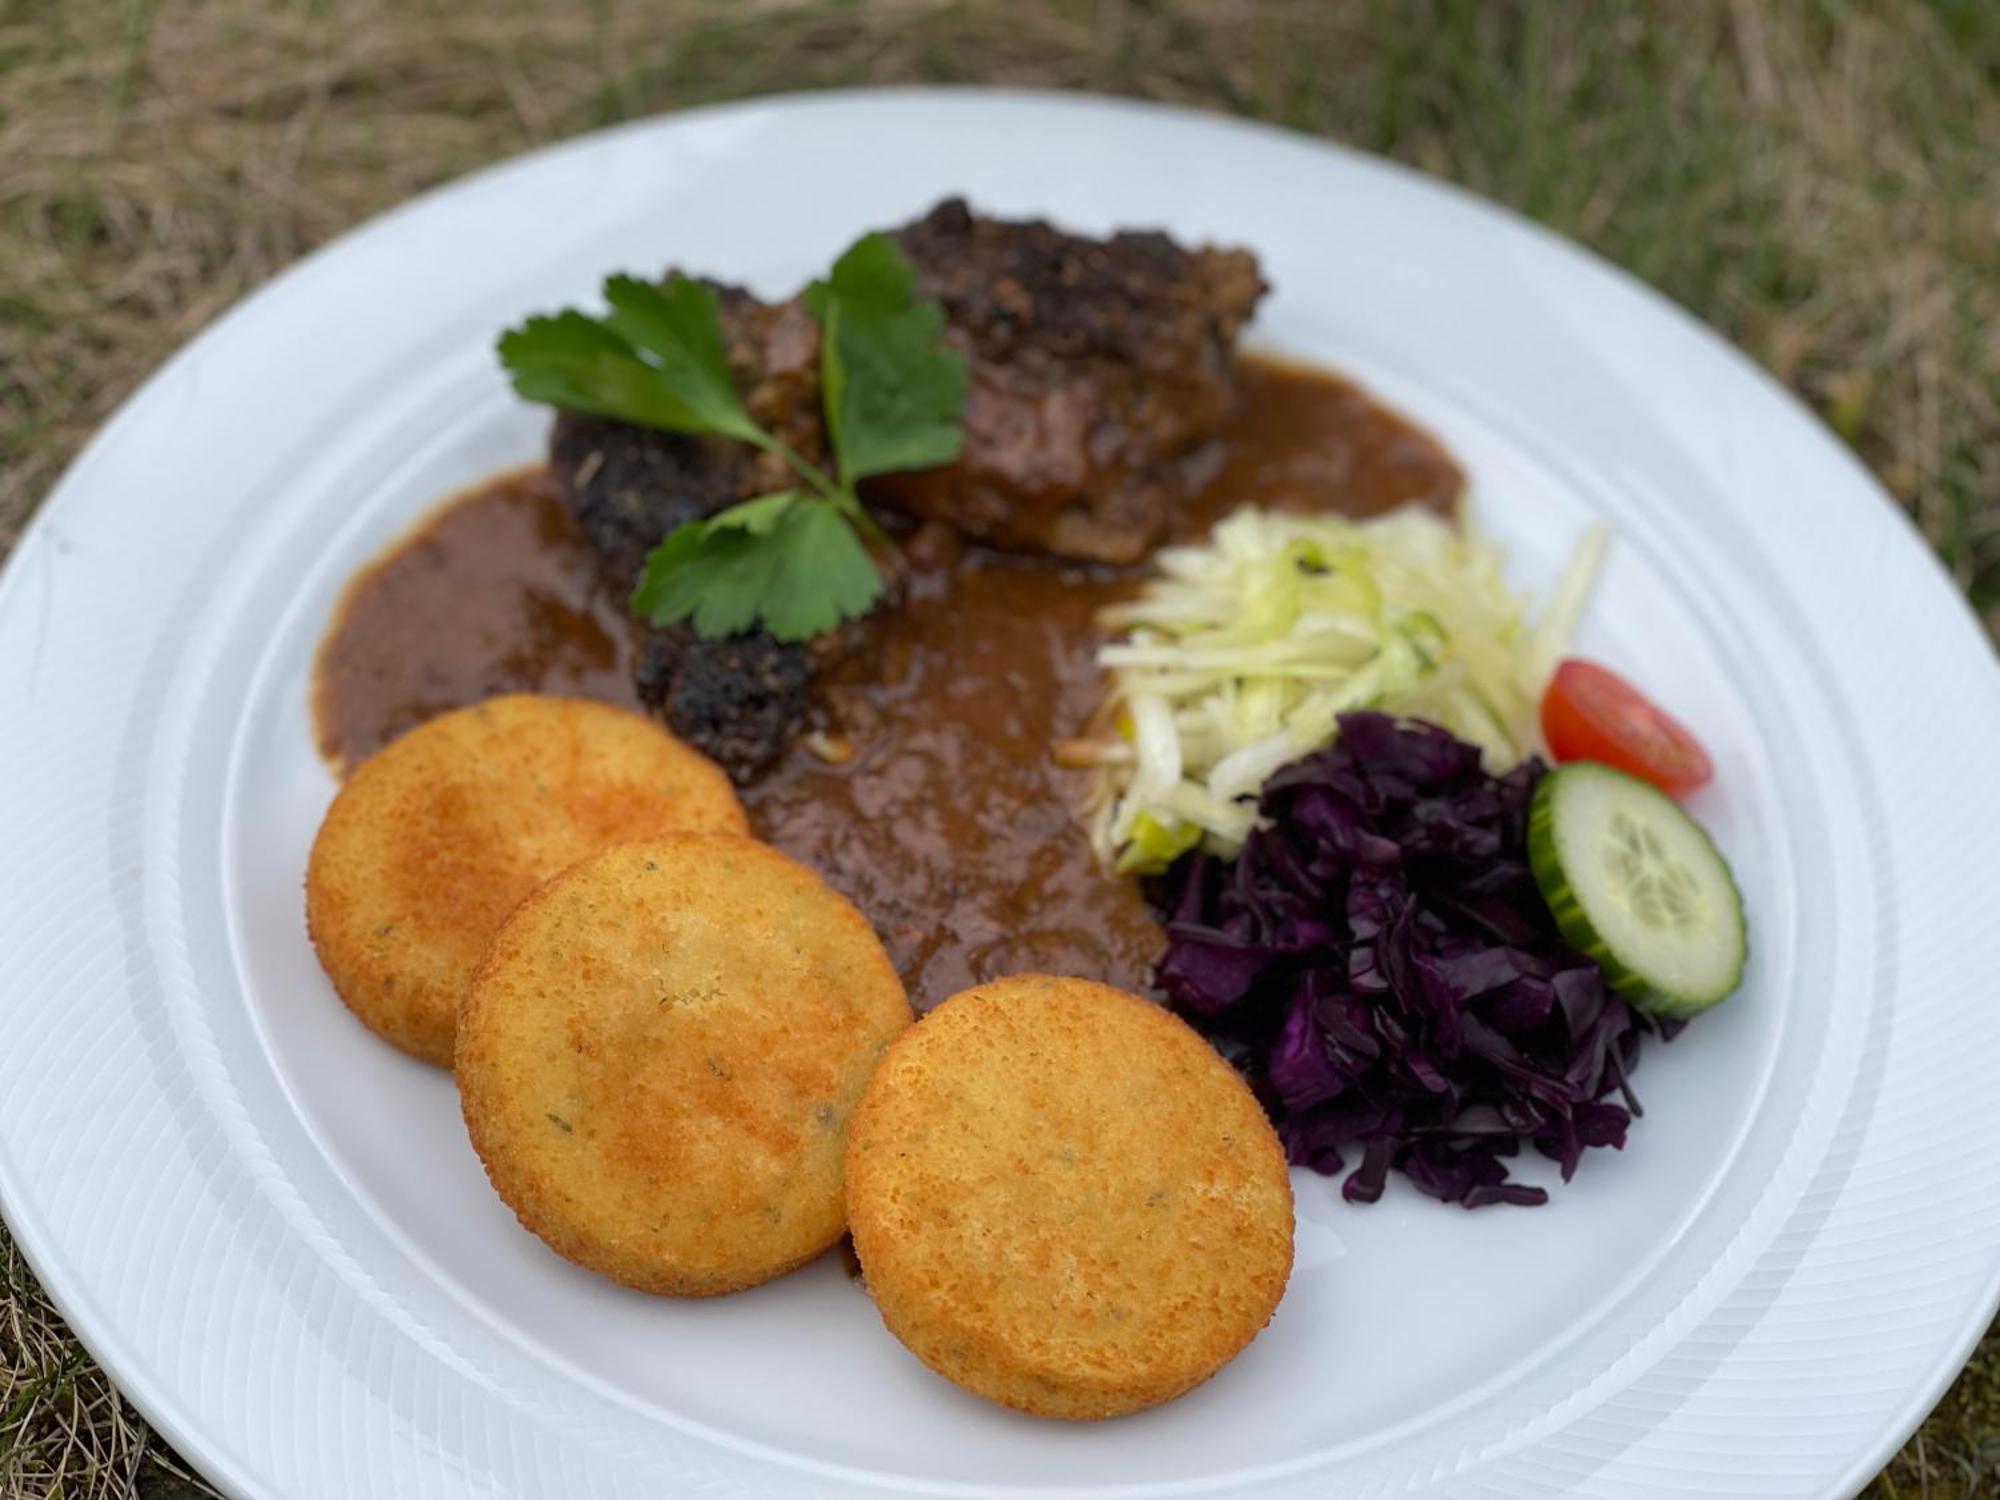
1818,179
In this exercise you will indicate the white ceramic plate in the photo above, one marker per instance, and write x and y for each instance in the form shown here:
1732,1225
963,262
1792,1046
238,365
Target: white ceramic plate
271,1228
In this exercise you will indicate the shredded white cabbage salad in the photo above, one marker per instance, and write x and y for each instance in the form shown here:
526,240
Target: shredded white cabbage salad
1239,654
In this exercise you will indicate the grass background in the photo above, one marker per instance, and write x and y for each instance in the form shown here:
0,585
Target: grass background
1819,179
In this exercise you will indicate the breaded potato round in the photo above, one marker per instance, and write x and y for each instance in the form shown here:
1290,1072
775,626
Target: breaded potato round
659,1057
1063,1200
439,835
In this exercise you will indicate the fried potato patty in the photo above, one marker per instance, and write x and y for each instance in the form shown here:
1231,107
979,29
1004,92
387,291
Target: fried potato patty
438,836
1063,1200
659,1057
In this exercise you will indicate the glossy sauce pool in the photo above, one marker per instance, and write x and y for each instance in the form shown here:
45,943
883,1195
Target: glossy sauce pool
948,823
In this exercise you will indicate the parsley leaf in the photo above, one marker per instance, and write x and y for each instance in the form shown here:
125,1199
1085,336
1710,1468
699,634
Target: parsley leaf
823,574
656,360
677,325
894,393
575,362
893,396
759,517
790,559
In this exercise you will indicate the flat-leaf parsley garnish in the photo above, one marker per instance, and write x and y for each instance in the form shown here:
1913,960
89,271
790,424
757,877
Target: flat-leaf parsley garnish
793,561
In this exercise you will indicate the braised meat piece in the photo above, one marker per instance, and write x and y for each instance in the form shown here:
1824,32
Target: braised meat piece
1095,366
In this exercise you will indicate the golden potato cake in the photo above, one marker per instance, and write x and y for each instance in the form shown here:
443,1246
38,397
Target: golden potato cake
659,1056
1064,1201
436,837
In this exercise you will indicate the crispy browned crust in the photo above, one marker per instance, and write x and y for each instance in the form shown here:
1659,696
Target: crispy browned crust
659,1056
438,836
1063,1200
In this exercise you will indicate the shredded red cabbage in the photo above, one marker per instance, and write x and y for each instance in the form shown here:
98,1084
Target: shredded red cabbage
1380,966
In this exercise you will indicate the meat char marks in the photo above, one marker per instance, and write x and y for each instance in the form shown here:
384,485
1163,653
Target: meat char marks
1097,368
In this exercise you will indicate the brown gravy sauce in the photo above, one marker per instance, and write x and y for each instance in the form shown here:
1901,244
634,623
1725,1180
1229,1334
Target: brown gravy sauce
496,591
949,824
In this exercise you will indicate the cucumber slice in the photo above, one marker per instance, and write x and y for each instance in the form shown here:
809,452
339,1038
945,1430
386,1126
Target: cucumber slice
1637,886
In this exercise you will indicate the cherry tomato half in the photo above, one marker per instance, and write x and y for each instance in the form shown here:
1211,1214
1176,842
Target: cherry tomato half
1589,713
